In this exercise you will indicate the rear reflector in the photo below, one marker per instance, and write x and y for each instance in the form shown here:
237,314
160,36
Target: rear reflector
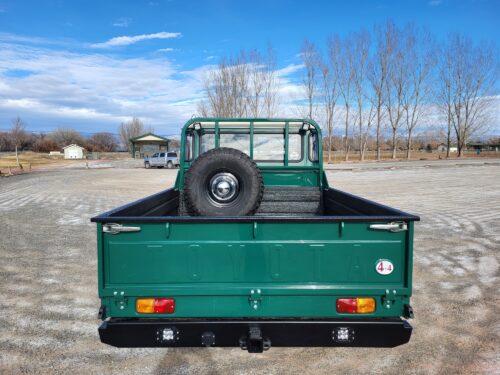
355,305
155,305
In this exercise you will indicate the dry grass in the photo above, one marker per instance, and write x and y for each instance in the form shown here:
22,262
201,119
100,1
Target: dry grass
34,160
27,158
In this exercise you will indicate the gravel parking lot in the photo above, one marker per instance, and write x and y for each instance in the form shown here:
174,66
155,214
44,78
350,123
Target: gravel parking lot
48,274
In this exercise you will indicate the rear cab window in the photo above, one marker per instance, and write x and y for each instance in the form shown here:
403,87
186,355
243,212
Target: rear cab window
267,146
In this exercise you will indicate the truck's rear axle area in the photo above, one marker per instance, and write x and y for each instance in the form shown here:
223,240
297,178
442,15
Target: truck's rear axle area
254,335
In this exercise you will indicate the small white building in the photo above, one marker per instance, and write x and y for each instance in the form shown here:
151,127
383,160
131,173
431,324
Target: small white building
441,147
73,152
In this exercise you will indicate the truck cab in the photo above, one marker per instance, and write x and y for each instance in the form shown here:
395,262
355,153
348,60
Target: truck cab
253,248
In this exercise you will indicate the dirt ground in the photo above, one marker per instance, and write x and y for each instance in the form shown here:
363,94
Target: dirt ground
48,291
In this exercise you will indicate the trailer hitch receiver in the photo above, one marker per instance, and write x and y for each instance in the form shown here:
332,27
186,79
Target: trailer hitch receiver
255,342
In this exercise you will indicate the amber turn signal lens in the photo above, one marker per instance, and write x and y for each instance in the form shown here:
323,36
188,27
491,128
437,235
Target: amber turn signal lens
366,305
145,305
355,305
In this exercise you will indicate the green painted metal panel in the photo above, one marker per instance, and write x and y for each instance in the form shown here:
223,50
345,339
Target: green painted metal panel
242,306
298,176
339,262
211,268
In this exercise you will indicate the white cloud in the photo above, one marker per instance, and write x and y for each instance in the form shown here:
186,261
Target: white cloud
165,50
127,40
208,58
289,69
93,92
122,22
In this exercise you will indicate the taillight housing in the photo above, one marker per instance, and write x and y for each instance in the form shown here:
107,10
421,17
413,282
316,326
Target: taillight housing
355,305
155,305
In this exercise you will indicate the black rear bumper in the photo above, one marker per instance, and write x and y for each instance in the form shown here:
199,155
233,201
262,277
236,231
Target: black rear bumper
255,335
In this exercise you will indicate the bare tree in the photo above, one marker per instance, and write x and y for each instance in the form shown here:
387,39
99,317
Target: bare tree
66,136
330,87
271,83
18,136
311,59
474,73
102,142
257,83
240,86
226,88
44,144
345,72
361,49
202,107
131,129
419,55
396,86
378,71
443,91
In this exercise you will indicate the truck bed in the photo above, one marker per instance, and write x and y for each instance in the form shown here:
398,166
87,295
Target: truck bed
278,203
281,270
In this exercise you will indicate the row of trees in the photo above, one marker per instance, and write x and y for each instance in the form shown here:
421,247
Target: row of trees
397,79
365,85
18,138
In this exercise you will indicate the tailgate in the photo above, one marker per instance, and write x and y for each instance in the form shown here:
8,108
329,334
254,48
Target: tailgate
255,269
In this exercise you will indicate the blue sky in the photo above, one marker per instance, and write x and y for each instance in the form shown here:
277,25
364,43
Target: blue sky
92,64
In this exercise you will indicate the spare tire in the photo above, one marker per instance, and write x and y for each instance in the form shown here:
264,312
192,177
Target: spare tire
223,182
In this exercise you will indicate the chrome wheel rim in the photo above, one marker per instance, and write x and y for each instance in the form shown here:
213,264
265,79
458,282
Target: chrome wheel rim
223,187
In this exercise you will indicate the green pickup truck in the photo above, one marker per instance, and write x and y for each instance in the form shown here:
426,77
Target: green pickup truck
252,248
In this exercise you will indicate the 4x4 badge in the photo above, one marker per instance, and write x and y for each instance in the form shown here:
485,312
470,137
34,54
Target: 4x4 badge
384,267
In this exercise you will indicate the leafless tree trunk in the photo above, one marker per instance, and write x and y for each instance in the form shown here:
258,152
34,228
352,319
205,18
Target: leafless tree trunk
443,92
361,49
310,58
329,70
346,74
256,83
18,136
472,75
378,74
396,85
271,83
419,52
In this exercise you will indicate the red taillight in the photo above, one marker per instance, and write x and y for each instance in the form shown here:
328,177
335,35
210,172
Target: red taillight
164,305
347,305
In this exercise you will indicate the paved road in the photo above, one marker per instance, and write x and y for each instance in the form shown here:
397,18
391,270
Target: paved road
48,276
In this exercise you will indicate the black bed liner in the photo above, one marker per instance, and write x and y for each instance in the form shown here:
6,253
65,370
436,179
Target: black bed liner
278,204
